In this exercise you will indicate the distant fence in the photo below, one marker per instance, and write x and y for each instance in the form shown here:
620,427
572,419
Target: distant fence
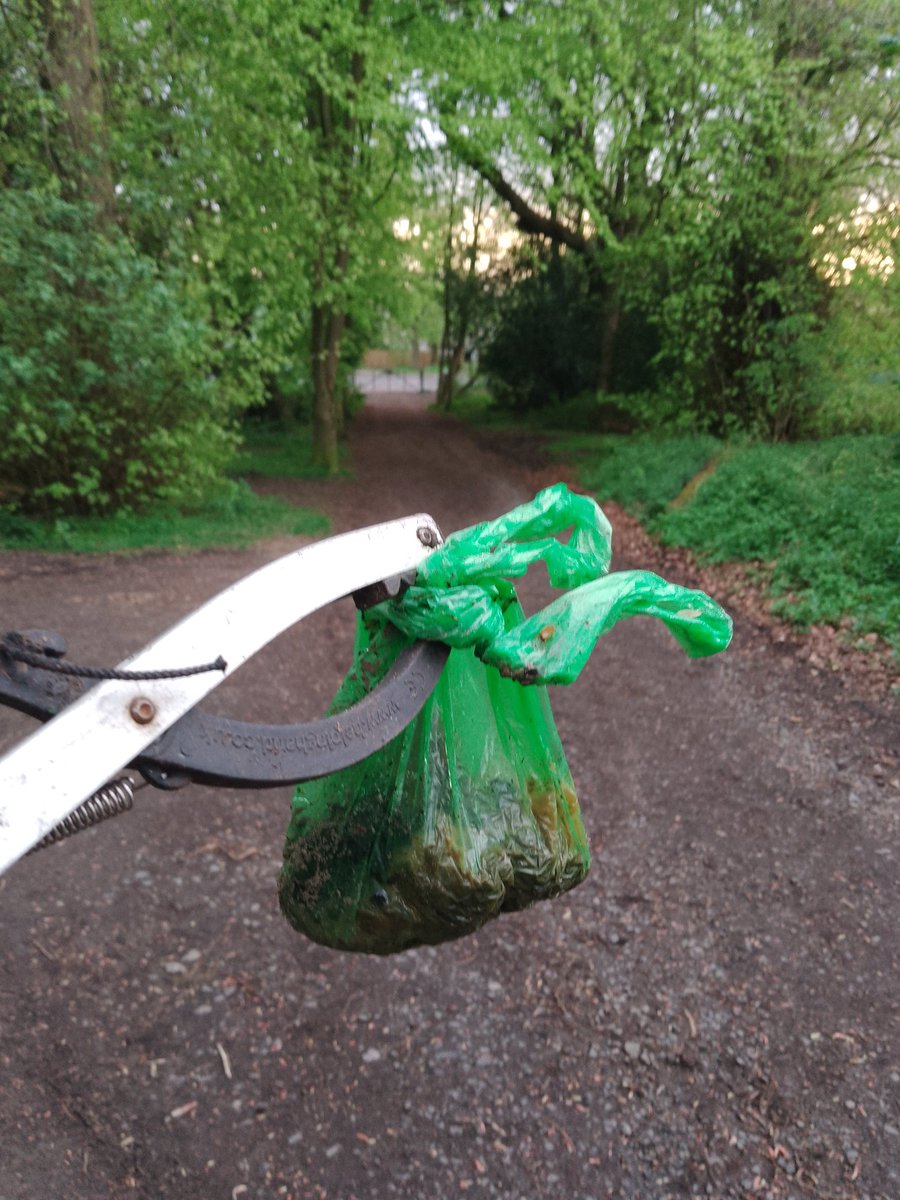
398,360
403,379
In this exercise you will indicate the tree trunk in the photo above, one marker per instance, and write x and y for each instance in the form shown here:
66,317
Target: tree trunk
338,129
444,397
285,410
327,331
458,298
72,73
609,329
449,371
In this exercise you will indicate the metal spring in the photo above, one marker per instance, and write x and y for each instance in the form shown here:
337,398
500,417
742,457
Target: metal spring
109,801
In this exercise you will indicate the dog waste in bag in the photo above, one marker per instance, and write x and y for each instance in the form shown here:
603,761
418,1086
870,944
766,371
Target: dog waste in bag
471,810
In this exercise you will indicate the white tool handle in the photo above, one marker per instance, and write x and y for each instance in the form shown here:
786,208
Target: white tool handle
55,769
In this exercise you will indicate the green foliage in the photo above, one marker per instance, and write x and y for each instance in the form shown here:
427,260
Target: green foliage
737,306
237,518
108,397
259,154
644,474
686,154
276,453
214,170
544,347
589,412
860,359
667,167
477,407
28,110
825,515
586,413
547,345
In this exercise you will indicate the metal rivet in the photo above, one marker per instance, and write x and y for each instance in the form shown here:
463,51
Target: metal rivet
426,536
142,710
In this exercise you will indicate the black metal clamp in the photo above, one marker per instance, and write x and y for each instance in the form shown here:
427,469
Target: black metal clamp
204,748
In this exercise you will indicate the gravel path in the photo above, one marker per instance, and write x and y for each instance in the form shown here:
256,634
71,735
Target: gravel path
712,1013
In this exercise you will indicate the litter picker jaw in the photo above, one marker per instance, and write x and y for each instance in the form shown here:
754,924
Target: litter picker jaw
146,717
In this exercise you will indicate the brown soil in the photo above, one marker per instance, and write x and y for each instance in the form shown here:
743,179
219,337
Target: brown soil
712,1013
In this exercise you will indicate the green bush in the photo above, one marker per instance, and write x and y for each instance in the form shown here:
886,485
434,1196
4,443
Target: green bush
644,474
738,308
593,412
476,406
276,453
108,396
825,515
237,517
546,348
860,353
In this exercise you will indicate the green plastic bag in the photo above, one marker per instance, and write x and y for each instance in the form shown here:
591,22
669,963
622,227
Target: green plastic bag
461,592
471,810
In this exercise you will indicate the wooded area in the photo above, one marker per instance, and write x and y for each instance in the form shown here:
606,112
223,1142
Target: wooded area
659,216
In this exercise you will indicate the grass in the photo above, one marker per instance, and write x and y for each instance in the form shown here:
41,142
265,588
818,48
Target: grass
577,415
824,516
822,519
276,453
239,518
643,474
476,407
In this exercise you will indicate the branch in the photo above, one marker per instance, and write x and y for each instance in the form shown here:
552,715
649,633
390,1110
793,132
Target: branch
529,219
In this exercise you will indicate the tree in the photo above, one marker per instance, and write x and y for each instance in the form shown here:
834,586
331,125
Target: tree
52,112
474,250
301,120
611,130
108,395
251,156
592,142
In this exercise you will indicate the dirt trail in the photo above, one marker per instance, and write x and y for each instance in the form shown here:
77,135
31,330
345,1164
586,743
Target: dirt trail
710,1014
